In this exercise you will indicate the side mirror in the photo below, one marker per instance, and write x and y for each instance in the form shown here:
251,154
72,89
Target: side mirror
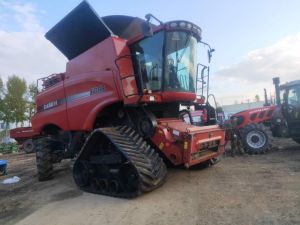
147,28
209,54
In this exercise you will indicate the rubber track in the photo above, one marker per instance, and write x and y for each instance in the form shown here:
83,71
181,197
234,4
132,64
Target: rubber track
149,165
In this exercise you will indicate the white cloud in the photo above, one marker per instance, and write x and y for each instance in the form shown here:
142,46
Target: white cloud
243,80
26,53
24,15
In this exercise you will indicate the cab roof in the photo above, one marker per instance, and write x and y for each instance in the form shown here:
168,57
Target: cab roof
290,84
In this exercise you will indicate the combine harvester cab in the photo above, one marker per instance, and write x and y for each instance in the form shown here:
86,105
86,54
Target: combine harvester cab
117,106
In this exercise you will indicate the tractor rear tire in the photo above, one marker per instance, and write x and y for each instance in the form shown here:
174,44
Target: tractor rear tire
255,138
43,159
28,146
297,140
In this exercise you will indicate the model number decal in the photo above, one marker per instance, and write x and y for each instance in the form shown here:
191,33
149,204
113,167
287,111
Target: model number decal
97,90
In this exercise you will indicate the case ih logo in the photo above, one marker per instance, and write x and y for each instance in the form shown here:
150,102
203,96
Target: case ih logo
50,105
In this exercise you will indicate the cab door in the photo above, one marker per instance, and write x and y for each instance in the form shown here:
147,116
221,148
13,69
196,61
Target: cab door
292,110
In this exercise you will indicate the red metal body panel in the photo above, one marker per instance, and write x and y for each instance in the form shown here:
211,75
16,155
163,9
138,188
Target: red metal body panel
22,133
168,96
55,115
187,144
256,115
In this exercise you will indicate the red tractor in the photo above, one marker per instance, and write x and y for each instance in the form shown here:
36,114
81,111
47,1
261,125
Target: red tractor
283,119
117,106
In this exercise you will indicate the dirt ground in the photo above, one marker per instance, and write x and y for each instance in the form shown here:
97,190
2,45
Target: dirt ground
260,189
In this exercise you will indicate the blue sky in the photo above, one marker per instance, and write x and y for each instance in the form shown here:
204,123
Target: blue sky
254,36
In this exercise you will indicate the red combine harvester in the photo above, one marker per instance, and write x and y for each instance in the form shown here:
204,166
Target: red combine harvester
117,106
282,118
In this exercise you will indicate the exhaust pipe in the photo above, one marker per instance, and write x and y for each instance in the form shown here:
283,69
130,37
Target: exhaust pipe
276,82
266,98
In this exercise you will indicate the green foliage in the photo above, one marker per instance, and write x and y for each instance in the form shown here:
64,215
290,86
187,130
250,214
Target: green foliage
1,99
17,101
256,98
31,95
14,102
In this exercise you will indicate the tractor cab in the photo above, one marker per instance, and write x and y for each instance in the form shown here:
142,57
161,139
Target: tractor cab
291,107
288,101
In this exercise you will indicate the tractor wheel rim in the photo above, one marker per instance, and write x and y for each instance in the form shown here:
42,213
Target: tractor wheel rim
256,139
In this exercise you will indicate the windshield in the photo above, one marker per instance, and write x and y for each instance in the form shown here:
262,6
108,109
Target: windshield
180,66
166,61
294,96
148,61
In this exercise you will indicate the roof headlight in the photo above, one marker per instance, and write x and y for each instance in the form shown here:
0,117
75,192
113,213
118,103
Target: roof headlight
173,25
182,24
195,28
189,26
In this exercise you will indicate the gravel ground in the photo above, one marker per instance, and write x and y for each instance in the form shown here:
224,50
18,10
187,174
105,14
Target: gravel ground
260,189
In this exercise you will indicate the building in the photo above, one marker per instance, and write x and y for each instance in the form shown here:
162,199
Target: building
235,108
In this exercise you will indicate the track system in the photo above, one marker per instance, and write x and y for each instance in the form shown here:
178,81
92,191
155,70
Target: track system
116,161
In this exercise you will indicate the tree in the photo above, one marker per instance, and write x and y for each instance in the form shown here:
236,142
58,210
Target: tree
1,99
256,98
31,106
14,102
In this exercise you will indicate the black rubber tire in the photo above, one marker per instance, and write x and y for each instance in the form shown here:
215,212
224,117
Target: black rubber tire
297,140
250,136
43,159
28,146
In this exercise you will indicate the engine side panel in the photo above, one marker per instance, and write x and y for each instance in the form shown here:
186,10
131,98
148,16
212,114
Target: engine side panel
51,109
